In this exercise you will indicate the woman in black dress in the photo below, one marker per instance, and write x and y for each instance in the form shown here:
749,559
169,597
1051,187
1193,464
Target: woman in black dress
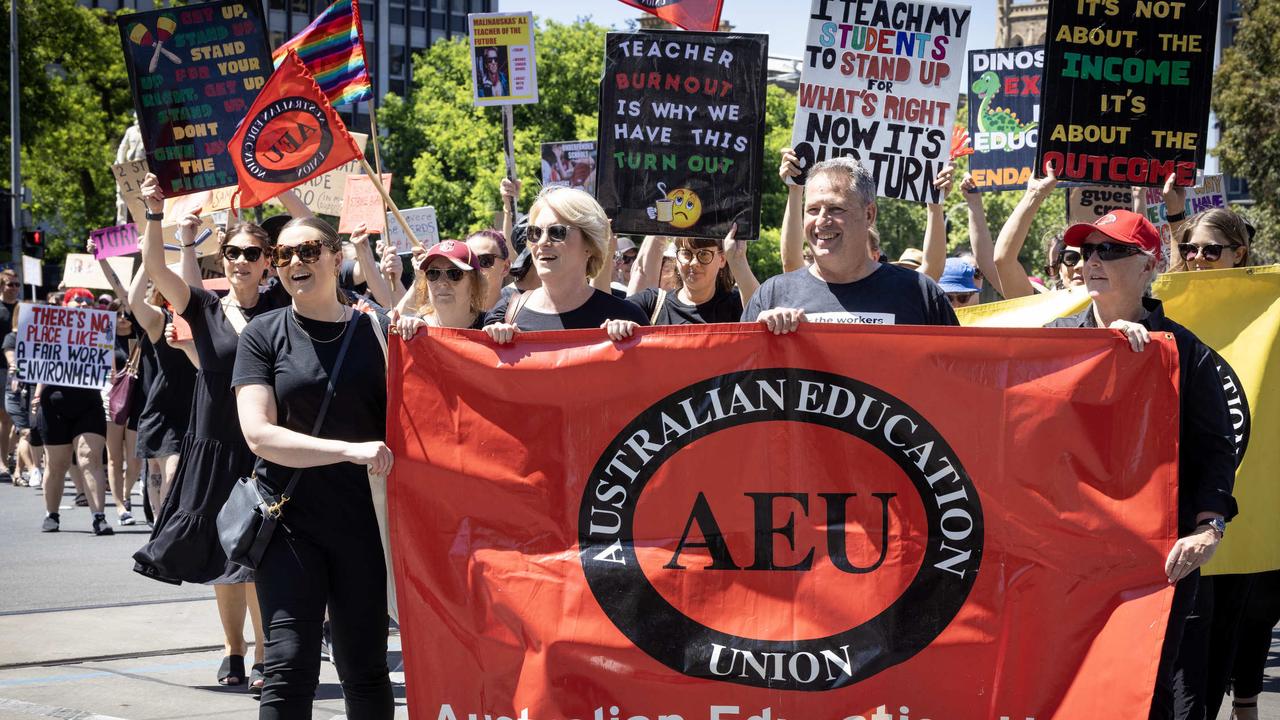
123,467
213,456
329,553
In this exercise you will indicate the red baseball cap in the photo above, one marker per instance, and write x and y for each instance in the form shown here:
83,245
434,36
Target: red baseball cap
456,252
1122,226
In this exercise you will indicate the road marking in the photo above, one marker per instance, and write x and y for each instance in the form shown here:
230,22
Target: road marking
27,708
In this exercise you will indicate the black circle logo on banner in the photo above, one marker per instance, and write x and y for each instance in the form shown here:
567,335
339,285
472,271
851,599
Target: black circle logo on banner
948,503
1237,406
288,141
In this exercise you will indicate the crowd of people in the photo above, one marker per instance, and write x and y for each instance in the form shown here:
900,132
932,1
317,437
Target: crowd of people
238,384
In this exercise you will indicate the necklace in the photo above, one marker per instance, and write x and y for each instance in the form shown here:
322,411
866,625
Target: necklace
294,314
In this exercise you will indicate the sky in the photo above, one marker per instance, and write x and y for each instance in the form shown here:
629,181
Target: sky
786,29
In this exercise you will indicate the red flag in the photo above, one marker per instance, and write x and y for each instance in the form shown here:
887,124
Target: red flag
290,135
880,522
688,14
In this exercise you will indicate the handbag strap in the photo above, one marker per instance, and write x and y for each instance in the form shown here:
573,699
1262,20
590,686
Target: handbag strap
234,314
347,334
657,307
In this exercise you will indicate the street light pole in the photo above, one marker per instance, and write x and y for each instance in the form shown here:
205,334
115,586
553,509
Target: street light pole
15,140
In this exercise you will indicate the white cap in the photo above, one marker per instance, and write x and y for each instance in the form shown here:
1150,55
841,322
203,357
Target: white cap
625,244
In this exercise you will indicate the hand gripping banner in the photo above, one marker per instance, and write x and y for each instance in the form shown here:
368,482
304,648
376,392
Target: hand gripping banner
714,523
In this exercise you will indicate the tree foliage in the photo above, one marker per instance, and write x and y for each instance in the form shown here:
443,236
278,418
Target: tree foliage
1246,96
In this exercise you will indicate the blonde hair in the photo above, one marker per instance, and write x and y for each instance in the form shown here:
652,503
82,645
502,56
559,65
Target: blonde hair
1229,225
579,209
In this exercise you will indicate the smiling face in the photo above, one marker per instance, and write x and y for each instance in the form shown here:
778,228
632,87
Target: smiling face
303,279
495,274
1121,279
698,278
835,223
553,259
686,208
242,272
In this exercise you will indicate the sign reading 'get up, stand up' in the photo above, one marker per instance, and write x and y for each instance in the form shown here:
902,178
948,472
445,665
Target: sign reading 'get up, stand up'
1126,90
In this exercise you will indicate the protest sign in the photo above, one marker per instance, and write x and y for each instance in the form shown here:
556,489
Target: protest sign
72,347
114,241
82,270
879,83
1125,97
504,68
1087,203
570,164
423,223
323,194
797,526
361,203
32,271
1004,110
129,176
1205,196
194,72
682,133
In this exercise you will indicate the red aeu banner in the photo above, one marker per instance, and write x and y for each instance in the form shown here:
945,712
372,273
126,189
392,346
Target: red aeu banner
688,14
714,523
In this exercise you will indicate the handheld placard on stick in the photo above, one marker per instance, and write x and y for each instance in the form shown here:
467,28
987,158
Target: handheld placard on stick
386,199
509,145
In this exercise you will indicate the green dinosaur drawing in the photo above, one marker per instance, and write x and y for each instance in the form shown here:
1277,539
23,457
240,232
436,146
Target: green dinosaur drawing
997,120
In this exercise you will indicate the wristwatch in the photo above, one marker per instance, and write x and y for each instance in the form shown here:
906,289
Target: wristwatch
1218,524
155,215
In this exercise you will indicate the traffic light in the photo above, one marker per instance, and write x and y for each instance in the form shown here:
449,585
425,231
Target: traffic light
33,243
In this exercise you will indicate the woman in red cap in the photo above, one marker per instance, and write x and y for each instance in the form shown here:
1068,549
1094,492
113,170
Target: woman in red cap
1121,252
450,291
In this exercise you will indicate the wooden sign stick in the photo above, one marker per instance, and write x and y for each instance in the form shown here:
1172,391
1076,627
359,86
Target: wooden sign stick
377,183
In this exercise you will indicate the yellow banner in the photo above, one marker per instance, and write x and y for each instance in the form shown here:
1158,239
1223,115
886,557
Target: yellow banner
1031,311
1237,313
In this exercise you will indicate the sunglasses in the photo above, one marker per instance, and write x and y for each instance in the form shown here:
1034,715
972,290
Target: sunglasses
234,252
13,284
485,260
628,258
703,255
1211,252
554,233
1070,258
960,298
454,274
1108,251
308,251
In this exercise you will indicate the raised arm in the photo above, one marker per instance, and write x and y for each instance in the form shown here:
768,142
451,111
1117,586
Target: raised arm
646,272
1014,282
510,193
110,273
935,227
791,244
293,204
603,281
1175,204
256,406
189,262
365,261
173,287
150,319
391,268
984,248
736,254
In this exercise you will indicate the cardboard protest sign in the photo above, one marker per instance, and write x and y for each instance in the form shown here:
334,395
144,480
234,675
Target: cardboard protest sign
879,83
570,164
504,68
361,203
194,72
1004,110
82,270
323,194
1087,203
32,271
423,223
1125,97
115,241
129,176
71,347
682,133
1205,196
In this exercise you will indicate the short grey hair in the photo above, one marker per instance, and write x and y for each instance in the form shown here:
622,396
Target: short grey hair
855,177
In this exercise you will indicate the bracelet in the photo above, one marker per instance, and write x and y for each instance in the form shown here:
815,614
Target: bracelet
155,215
188,246
1176,217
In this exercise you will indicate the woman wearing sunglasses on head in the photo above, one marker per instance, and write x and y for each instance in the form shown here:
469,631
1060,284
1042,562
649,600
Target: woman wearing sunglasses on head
213,456
568,237
715,282
310,383
451,291
1121,252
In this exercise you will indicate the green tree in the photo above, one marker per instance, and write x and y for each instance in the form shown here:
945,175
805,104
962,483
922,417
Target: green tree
1246,95
75,108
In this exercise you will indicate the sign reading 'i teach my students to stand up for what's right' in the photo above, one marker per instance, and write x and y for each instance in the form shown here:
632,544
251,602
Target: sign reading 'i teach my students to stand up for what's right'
1126,90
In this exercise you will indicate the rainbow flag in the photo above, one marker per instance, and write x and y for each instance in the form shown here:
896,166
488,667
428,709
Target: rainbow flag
332,48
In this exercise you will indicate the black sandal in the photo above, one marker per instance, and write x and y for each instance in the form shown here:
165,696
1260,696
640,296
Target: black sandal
257,679
231,672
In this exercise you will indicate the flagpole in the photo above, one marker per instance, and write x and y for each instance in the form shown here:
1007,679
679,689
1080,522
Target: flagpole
388,202
373,135
509,146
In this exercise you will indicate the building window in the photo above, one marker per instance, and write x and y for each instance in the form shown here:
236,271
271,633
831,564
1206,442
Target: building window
396,12
279,4
302,6
395,63
366,12
397,86
458,23
478,6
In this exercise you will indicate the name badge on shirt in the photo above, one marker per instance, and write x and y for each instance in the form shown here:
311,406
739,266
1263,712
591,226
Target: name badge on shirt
852,318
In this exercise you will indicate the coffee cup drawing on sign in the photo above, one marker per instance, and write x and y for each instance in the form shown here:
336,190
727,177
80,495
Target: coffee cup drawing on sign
681,208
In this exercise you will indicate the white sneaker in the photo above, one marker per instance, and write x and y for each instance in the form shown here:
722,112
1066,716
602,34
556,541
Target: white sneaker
37,479
126,518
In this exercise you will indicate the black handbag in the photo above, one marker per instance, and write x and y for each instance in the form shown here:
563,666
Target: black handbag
249,517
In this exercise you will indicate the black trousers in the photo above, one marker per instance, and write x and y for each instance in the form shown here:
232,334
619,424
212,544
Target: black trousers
1261,614
1224,600
1172,690
301,573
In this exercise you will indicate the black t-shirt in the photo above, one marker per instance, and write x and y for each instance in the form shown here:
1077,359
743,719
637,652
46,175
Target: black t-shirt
347,277
723,307
281,349
890,295
599,307
6,321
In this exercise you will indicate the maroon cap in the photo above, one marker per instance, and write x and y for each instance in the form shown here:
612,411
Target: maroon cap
457,253
1122,226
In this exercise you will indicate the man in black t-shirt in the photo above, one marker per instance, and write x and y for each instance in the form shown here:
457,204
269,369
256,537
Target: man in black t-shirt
844,285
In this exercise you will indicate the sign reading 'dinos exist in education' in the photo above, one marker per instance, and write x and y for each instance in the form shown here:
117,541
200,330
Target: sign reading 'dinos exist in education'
504,67
1004,113
879,83
73,347
788,530
682,133
1126,90
1208,195
194,72
570,164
